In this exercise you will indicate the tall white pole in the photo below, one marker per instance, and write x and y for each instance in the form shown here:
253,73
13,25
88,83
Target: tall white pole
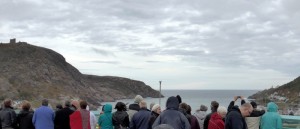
159,92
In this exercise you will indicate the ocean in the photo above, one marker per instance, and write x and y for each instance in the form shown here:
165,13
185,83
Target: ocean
195,98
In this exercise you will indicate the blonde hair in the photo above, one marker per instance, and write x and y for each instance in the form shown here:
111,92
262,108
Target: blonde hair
222,109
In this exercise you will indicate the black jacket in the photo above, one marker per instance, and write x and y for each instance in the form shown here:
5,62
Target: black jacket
62,118
153,117
8,117
257,113
120,119
234,119
24,119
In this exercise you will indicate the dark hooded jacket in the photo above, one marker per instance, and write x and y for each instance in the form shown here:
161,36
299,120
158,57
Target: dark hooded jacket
120,119
8,117
24,119
172,116
235,120
153,117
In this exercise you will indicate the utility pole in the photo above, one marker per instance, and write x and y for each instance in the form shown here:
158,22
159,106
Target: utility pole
159,92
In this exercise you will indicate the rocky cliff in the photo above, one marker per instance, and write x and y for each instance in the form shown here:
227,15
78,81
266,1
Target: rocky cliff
32,73
288,93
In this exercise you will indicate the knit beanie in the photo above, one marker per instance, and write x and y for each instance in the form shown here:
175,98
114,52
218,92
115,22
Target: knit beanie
138,99
203,108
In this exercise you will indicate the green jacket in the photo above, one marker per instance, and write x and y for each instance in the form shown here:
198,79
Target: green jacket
271,119
105,120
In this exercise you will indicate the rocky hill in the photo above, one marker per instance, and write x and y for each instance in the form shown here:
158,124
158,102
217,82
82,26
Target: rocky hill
33,73
288,93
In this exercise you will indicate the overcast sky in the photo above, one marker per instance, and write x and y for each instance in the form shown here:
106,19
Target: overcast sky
187,44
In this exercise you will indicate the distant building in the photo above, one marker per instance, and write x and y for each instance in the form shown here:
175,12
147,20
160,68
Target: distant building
12,40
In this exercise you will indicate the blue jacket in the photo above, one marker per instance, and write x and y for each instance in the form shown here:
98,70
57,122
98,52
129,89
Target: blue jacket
271,119
43,118
105,120
171,116
140,120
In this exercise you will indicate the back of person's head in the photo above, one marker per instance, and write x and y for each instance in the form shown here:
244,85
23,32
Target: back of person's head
75,104
254,105
59,106
120,106
26,105
183,106
7,103
151,105
172,103
189,110
138,99
155,107
163,126
272,107
203,108
108,108
214,105
222,111
67,103
179,98
143,104
83,104
45,102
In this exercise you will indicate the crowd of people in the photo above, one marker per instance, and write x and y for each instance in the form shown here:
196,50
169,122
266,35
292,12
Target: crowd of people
177,115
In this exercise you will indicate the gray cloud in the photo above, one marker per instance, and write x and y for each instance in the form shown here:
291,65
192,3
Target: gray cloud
252,34
103,52
103,62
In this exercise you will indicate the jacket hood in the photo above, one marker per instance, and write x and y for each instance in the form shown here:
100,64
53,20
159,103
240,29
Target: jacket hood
172,103
272,107
215,116
107,108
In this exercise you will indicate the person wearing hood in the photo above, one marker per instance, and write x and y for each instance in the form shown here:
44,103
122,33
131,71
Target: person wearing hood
105,119
120,118
25,116
216,119
200,115
172,116
135,107
271,119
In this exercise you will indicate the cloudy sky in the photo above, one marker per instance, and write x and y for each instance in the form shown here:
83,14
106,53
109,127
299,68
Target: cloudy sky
194,44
